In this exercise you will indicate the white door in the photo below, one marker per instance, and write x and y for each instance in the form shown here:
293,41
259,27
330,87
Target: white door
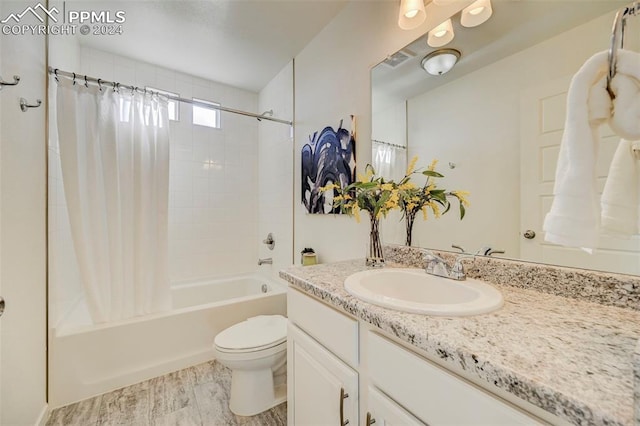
22,226
383,411
323,390
543,110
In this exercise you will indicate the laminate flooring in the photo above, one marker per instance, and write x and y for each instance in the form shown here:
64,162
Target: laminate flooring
194,396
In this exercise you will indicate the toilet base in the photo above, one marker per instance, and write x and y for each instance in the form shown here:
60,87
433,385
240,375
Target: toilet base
253,392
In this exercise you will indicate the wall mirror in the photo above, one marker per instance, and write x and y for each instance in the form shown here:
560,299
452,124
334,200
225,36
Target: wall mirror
495,122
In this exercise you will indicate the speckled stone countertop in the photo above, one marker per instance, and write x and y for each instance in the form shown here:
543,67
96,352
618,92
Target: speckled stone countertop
572,358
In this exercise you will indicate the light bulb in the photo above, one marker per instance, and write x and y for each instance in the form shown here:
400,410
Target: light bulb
476,11
441,35
411,13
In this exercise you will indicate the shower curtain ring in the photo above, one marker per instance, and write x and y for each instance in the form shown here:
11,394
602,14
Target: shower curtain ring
86,84
100,84
74,78
55,72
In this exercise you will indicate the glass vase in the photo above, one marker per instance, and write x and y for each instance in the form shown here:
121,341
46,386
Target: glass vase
375,257
409,218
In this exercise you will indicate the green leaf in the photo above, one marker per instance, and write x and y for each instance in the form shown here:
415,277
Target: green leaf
432,173
447,209
462,211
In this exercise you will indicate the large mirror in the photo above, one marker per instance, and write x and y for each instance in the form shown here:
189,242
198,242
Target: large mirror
495,122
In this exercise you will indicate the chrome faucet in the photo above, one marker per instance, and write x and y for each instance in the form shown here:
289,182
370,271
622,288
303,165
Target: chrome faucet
435,265
268,261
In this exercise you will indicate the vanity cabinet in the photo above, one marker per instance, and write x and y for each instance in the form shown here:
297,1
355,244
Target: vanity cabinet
322,354
323,388
341,371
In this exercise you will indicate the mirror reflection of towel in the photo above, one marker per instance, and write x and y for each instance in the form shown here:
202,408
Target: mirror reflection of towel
574,219
620,201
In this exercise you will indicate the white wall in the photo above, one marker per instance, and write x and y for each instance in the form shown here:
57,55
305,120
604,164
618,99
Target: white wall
474,122
275,172
22,229
332,81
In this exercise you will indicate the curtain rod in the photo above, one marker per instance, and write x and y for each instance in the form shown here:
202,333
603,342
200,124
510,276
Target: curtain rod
84,78
388,143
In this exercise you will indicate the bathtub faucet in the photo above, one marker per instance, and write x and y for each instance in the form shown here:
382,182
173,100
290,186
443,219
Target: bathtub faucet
268,261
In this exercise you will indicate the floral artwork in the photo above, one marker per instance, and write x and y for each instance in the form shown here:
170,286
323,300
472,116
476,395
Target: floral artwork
328,158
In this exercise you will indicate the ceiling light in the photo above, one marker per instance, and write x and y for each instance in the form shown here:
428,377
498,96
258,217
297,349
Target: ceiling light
411,14
441,35
476,13
440,61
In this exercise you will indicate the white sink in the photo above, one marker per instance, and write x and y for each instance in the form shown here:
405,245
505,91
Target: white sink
413,290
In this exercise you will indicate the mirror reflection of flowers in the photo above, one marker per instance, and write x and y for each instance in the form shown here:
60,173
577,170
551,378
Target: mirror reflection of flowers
414,199
375,196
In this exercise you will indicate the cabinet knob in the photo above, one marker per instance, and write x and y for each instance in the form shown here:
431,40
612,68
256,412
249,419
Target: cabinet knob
370,420
343,396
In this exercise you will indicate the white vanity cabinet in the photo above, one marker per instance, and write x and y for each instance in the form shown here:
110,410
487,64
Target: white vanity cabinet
322,356
332,355
383,411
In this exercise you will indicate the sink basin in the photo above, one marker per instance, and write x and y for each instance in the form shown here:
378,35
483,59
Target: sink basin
413,290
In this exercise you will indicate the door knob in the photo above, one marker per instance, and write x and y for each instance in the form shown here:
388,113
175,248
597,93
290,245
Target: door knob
529,234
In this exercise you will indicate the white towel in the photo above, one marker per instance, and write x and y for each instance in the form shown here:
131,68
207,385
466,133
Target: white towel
621,196
574,219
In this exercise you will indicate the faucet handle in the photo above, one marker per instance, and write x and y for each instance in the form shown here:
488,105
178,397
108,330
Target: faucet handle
457,270
488,251
462,250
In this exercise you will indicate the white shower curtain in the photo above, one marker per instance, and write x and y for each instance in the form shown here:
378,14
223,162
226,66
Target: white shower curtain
388,161
114,150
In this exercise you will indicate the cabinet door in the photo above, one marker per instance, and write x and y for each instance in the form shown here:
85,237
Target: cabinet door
322,390
382,411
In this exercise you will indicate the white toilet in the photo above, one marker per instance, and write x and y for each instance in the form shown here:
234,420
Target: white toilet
256,352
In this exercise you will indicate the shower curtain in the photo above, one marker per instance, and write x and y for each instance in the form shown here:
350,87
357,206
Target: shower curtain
388,161
114,150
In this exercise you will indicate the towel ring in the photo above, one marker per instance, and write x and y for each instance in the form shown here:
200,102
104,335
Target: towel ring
618,42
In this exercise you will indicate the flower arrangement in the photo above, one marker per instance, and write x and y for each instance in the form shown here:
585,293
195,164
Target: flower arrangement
414,199
372,194
377,196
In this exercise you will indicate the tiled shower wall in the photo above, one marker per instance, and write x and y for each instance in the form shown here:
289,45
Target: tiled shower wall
275,181
213,207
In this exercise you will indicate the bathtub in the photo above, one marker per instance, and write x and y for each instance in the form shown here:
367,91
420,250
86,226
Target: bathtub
87,360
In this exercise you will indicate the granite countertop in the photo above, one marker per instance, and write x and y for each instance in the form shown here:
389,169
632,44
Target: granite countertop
569,357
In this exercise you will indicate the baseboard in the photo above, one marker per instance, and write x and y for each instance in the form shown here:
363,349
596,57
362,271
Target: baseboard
44,416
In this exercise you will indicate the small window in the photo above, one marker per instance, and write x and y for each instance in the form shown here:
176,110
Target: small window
204,116
174,109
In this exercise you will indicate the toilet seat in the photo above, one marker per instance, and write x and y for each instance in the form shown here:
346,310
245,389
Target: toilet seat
255,334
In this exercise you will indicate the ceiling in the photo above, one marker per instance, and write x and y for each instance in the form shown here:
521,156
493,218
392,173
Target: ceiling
242,43
514,26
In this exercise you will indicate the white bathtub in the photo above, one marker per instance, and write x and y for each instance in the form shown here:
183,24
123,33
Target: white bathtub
87,360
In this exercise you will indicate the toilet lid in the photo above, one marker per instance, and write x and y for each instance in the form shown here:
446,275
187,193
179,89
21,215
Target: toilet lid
256,332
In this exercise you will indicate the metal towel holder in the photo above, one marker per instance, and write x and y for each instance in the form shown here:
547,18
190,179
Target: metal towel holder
618,41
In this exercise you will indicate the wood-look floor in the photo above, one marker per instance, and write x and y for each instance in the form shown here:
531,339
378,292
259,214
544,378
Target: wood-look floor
194,396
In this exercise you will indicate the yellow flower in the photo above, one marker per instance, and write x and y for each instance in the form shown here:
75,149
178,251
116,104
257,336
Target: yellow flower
356,212
433,164
430,188
436,208
406,186
367,176
386,186
462,196
329,187
412,165
338,198
411,206
424,212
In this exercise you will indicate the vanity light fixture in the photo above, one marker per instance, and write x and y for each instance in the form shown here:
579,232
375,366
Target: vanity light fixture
411,14
476,13
441,35
443,2
440,61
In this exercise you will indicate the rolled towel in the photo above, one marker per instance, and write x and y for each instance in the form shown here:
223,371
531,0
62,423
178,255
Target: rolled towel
574,218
